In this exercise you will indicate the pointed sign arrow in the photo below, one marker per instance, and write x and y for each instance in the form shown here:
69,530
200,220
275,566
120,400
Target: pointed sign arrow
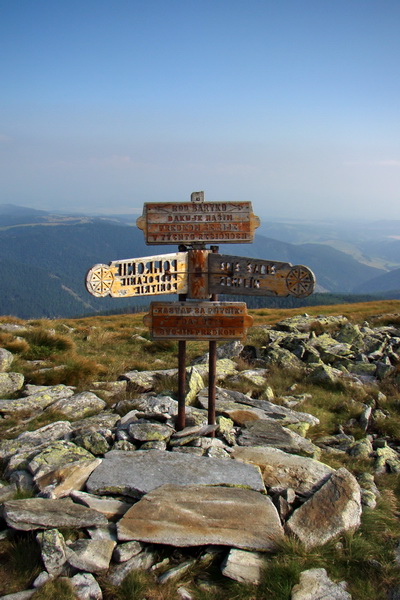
257,277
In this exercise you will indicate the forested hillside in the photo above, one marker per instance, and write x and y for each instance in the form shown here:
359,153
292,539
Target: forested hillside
45,258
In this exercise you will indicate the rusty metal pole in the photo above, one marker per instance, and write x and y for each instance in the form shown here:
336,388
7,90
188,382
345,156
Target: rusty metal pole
212,368
181,420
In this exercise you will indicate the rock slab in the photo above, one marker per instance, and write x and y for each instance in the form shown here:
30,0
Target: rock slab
281,470
42,513
200,515
138,473
333,509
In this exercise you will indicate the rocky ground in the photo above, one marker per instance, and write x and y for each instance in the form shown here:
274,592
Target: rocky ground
117,471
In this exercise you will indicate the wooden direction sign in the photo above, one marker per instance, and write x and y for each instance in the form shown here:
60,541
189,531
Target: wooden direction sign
256,277
198,320
198,223
199,273
147,276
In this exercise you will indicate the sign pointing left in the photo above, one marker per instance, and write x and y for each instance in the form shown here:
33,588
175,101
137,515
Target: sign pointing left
163,274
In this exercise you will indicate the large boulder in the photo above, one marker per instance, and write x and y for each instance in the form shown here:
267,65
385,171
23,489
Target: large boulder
40,399
306,323
271,433
201,515
79,406
282,471
137,473
333,509
29,440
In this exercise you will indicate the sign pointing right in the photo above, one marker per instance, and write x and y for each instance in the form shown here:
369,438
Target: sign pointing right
257,277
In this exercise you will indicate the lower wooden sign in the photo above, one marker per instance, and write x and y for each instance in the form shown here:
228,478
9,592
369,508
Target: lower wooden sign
212,321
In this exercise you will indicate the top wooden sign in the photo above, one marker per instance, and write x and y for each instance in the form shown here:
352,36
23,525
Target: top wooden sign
198,222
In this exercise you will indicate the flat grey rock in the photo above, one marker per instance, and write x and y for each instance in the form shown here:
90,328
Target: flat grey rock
79,406
138,473
41,399
270,433
93,556
42,513
19,595
29,440
200,515
143,561
281,470
230,402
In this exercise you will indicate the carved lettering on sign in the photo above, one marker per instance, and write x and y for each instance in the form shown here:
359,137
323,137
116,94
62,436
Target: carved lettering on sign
198,320
147,276
198,222
248,276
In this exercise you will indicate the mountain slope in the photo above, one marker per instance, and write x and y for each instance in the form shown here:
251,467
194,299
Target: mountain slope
44,264
335,271
383,283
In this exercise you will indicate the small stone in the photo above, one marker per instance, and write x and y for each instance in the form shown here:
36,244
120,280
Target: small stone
148,432
10,383
41,579
142,561
6,358
54,551
177,571
315,585
93,556
86,587
243,566
94,442
124,552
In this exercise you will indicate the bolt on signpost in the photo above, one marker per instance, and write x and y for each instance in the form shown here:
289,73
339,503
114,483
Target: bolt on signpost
198,275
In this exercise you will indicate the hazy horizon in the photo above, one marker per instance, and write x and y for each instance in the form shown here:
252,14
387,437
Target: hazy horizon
293,106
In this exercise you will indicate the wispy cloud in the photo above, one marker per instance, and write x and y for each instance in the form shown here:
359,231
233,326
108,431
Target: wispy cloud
387,163
114,162
373,163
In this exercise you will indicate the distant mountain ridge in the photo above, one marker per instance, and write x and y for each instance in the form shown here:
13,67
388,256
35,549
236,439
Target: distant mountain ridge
45,258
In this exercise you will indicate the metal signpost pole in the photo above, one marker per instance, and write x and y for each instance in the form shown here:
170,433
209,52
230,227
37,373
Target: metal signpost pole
212,368
181,420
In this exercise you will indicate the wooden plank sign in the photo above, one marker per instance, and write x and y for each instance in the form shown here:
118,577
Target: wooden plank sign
146,276
198,222
256,277
198,320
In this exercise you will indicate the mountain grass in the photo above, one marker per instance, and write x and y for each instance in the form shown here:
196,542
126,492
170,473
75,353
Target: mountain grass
20,563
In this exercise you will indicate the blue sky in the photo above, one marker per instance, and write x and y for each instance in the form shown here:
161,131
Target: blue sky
292,104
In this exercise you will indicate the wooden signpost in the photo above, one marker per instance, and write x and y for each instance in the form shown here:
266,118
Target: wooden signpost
198,275
198,320
198,222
